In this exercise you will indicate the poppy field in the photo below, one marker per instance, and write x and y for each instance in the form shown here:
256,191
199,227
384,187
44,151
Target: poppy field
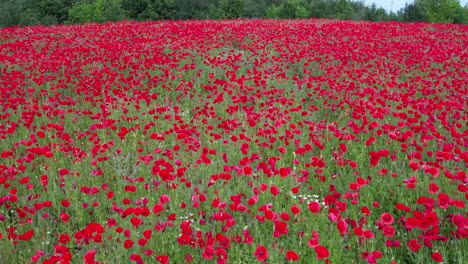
235,141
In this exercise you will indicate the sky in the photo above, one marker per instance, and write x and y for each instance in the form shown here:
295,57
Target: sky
397,4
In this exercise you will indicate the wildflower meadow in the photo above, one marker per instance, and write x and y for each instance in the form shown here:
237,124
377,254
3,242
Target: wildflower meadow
234,141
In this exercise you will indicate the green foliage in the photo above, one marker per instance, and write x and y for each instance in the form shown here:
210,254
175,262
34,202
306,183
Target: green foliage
52,10
321,8
461,16
343,9
376,14
440,11
256,8
82,12
193,9
301,12
288,9
31,12
134,8
359,10
413,12
273,12
228,9
30,16
159,9
96,11
112,10
9,12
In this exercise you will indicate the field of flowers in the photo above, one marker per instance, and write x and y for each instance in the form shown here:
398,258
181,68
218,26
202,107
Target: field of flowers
240,141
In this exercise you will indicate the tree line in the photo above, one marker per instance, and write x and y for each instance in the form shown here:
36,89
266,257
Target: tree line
51,12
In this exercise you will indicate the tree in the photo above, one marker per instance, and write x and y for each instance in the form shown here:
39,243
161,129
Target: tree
440,11
112,10
83,12
95,11
134,8
159,9
301,12
321,8
193,9
359,10
228,9
31,12
13,13
343,9
462,15
288,9
256,8
272,11
413,12
52,10
376,14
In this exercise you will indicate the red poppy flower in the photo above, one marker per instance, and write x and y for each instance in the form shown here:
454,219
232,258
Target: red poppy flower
184,239
414,245
64,217
65,203
163,259
433,187
388,231
188,257
147,233
223,241
247,170
281,228
274,190
208,253
374,158
342,227
164,199
64,239
26,236
341,206
89,256
111,222
135,257
128,243
98,238
365,210
295,209
386,218
142,242
157,208
136,222
314,207
322,252
437,256
261,253
292,256
313,242
368,234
